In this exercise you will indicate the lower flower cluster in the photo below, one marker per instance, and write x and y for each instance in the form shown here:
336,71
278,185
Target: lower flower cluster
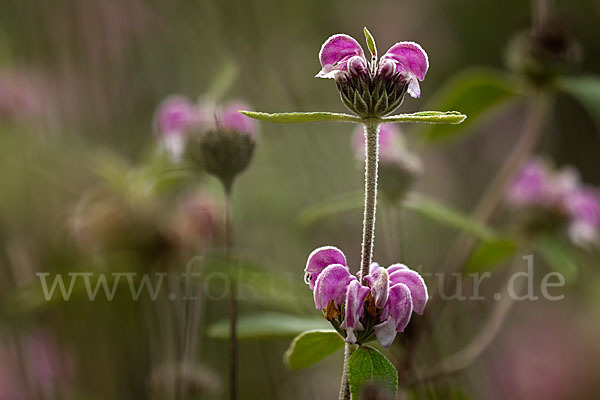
361,310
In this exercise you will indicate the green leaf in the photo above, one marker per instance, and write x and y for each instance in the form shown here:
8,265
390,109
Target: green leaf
366,365
370,42
312,347
330,206
474,92
293,117
586,90
559,256
267,325
447,215
428,117
489,254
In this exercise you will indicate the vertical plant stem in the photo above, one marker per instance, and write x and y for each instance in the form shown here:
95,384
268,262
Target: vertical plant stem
345,387
371,163
233,345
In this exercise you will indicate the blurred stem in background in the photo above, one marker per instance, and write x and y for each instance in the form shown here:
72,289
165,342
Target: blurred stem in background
233,345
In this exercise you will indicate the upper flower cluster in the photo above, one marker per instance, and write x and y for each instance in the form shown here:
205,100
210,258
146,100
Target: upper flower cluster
559,194
381,308
375,87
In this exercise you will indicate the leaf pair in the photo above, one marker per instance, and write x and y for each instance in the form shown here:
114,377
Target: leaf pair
366,364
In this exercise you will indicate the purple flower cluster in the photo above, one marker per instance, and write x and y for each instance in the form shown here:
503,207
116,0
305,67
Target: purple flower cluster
177,116
375,87
379,307
561,194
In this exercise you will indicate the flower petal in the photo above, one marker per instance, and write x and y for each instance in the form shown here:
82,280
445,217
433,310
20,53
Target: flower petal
415,283
320,259
174,115
354,309
331,285
231,118
335,53
410,57
386,332
379,283
400,305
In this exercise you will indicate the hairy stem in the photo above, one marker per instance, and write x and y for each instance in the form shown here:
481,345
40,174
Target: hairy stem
371,163
233,345
344,386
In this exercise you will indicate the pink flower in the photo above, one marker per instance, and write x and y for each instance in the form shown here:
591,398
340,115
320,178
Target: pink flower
405,61
174,117
381,307
584,208
372,87
558,195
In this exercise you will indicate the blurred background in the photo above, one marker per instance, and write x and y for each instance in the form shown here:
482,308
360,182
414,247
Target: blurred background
85,188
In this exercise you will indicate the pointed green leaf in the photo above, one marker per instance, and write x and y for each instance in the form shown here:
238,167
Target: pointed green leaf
447,215
370,43
559,256
366,365
489,254
586,90
311,347
295,117
428,117
267,325
474,92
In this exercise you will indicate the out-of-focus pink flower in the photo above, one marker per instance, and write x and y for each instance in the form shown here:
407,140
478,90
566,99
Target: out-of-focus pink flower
584,208
174,117
398,167
389,296
389,142
23,95
559,195
195,221
530,185
230,118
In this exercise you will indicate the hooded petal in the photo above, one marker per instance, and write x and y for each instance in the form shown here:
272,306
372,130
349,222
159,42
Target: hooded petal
410,57
411,62
379,283
331,285
414,282
400,305
231,118
354,309
320,259
335,53
395,316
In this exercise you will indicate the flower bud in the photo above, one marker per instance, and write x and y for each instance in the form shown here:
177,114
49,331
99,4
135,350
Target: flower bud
542,55
226,149
357,66
387,69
